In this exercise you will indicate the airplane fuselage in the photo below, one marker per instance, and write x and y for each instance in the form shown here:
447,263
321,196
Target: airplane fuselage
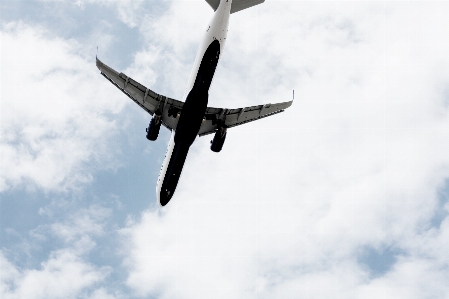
196,99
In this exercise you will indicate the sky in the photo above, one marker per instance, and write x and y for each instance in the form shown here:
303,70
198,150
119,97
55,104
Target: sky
343,195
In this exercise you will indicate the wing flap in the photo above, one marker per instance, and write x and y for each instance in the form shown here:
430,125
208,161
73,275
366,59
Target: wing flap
147,99
229,118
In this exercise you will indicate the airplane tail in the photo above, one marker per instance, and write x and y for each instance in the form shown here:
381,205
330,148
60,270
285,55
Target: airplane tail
237,5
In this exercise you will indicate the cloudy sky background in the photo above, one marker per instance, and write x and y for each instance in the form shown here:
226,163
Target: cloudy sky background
344,195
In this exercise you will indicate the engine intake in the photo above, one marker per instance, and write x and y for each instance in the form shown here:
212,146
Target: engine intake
219,139
154,127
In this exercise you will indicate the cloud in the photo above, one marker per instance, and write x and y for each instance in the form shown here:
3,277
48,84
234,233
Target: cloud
293,202
102,294
81,228
128,11
170,46
57,123
66,273
63,275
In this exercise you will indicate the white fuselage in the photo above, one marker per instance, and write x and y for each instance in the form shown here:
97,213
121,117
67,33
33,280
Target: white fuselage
217,30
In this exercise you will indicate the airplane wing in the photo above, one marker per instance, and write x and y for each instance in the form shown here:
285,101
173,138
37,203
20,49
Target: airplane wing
147,99
229,118
151,102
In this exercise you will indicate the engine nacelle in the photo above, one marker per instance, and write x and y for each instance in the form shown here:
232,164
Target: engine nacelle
154,127
219,139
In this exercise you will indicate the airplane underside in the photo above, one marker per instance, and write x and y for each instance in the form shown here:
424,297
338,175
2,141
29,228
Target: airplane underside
190,120
193,117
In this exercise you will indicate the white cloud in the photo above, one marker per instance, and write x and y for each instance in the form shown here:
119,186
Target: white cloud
66,273
102,294
292,202
357,161
63,275
56,124
411,278
81,227
128,11
171,45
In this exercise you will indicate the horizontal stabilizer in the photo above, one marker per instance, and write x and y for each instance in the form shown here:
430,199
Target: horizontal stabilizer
237,5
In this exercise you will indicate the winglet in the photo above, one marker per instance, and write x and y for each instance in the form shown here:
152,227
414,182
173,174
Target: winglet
98,62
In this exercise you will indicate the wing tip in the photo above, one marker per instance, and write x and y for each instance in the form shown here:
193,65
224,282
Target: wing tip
98,63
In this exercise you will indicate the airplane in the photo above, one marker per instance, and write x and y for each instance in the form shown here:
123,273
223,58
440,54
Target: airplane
192,117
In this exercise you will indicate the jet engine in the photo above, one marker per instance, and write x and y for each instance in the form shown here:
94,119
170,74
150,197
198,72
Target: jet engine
219,139
153,127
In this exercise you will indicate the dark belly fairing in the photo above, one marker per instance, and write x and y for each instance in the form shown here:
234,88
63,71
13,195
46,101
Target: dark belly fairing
190,120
